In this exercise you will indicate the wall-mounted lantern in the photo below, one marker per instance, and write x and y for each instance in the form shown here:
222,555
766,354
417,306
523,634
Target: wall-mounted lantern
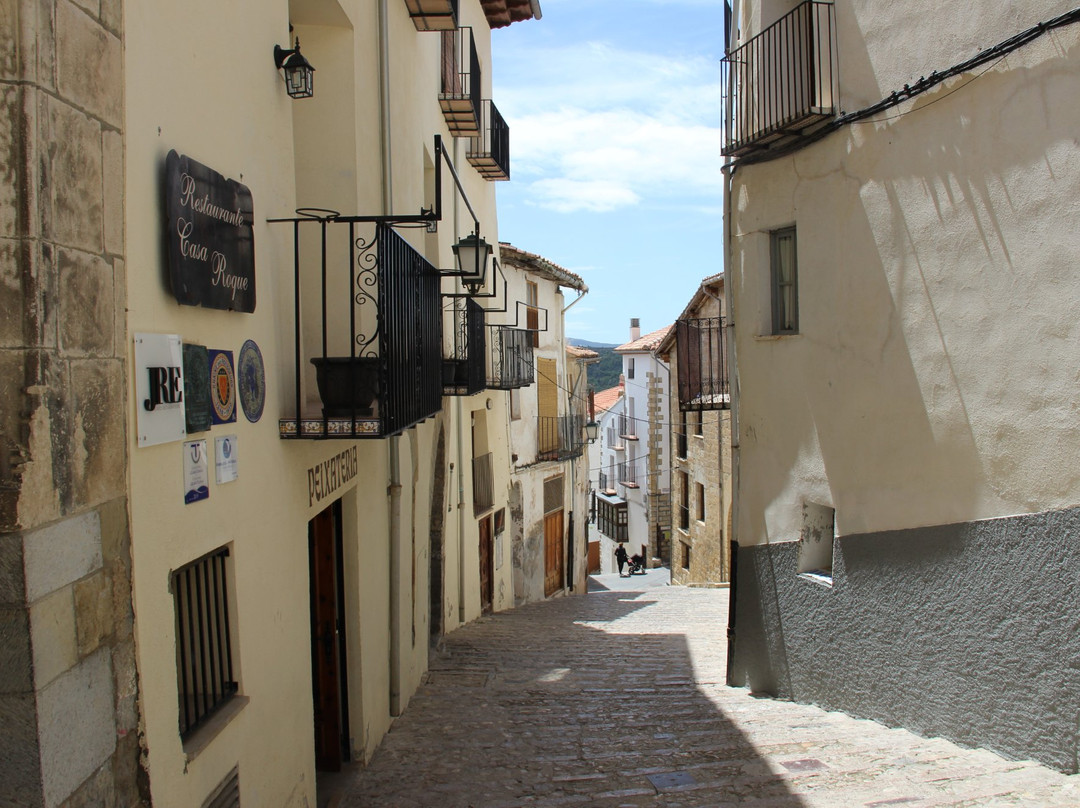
592,431
472,254
299,78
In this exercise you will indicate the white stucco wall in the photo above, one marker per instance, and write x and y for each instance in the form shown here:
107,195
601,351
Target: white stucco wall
933,379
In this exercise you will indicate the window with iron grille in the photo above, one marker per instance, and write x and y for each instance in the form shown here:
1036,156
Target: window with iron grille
204,662
681,435
684,501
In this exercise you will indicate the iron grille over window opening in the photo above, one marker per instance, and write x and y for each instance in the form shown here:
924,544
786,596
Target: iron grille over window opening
204,667
701,353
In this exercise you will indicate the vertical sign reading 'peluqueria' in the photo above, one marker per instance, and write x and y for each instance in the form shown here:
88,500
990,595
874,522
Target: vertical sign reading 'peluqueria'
211,239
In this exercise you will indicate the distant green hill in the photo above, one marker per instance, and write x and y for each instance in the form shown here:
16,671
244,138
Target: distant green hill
605,373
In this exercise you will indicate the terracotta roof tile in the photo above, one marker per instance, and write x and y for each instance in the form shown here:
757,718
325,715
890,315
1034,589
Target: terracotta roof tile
581,353
647,343
501,13
606,399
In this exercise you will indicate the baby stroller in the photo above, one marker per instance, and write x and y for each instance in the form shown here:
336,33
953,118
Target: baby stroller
636,564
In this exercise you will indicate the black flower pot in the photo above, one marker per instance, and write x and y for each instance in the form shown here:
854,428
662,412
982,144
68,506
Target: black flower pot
347,385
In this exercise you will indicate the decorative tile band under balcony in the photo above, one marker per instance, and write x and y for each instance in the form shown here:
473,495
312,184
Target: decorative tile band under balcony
465,365
489,152
701,355
459,95
783,83
511,358
560,438
367,331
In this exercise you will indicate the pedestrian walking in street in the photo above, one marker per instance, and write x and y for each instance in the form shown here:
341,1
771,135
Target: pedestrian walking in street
620,557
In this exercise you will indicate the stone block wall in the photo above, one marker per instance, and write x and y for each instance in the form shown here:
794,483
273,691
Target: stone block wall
67,662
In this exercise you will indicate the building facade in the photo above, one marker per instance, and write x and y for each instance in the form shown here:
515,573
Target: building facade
609,510
900,261
700,434
258,410
549,483
643,471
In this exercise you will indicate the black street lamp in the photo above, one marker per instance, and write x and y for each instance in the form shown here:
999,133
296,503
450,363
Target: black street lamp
299,78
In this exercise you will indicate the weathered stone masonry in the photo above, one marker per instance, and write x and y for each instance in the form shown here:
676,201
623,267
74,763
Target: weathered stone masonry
67,665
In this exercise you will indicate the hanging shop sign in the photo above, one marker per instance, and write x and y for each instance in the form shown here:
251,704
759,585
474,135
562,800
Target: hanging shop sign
159,388
211,240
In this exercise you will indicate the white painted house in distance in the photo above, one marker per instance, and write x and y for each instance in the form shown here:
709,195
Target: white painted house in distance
643,469
609,509
902,246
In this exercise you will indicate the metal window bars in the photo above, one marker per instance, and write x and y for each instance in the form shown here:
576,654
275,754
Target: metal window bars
701,367
204,663
489,151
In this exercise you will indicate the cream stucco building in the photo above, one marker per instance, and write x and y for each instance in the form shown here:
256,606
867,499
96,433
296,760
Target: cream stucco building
900,220
220,580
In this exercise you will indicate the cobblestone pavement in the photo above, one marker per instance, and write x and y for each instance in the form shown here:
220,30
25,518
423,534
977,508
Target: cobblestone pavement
617,698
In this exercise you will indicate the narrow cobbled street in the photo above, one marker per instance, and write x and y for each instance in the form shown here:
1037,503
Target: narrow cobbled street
617,698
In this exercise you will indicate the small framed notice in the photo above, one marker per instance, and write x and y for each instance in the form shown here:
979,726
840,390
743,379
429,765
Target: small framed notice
196,472
226,468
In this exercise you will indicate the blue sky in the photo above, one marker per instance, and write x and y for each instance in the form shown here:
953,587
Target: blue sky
614,109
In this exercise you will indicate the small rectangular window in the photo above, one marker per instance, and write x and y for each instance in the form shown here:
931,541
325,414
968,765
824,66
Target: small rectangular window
532,312
684,501
685,556
204,659
785,285
816,541
629,367
515,405
700,501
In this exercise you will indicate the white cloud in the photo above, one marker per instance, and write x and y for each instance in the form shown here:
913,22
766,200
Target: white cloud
596,128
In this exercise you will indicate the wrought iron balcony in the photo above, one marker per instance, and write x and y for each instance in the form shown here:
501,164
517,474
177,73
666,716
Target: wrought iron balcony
560,438
433,15
627,427
459,95
511,358
783,83
367,330
465,364
702,368
489,152
483,495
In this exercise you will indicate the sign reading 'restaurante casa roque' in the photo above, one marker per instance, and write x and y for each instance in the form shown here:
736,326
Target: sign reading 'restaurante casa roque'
211,242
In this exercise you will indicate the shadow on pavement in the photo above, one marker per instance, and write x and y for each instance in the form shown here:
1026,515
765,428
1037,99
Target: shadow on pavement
593,701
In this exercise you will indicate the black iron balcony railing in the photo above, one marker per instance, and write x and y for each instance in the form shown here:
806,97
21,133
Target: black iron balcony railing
433,15
483,490
611,517
511,358
560,438
459,95
489,152
628,473
367,331
464,368
783,83
627,427
702,368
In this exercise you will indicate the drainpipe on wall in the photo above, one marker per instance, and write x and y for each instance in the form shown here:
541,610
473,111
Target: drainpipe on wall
393,488
460,417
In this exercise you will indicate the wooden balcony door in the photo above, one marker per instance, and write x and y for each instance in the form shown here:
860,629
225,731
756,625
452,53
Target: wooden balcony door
553,553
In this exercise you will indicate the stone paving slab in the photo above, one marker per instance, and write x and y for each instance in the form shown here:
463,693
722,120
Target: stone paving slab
616,699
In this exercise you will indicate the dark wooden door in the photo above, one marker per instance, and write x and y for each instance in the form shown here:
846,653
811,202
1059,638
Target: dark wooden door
553,553
327,640
487,556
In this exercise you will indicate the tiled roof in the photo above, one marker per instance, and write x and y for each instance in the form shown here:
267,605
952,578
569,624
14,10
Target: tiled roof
647,343
581,353
606,399
501,13
541,266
